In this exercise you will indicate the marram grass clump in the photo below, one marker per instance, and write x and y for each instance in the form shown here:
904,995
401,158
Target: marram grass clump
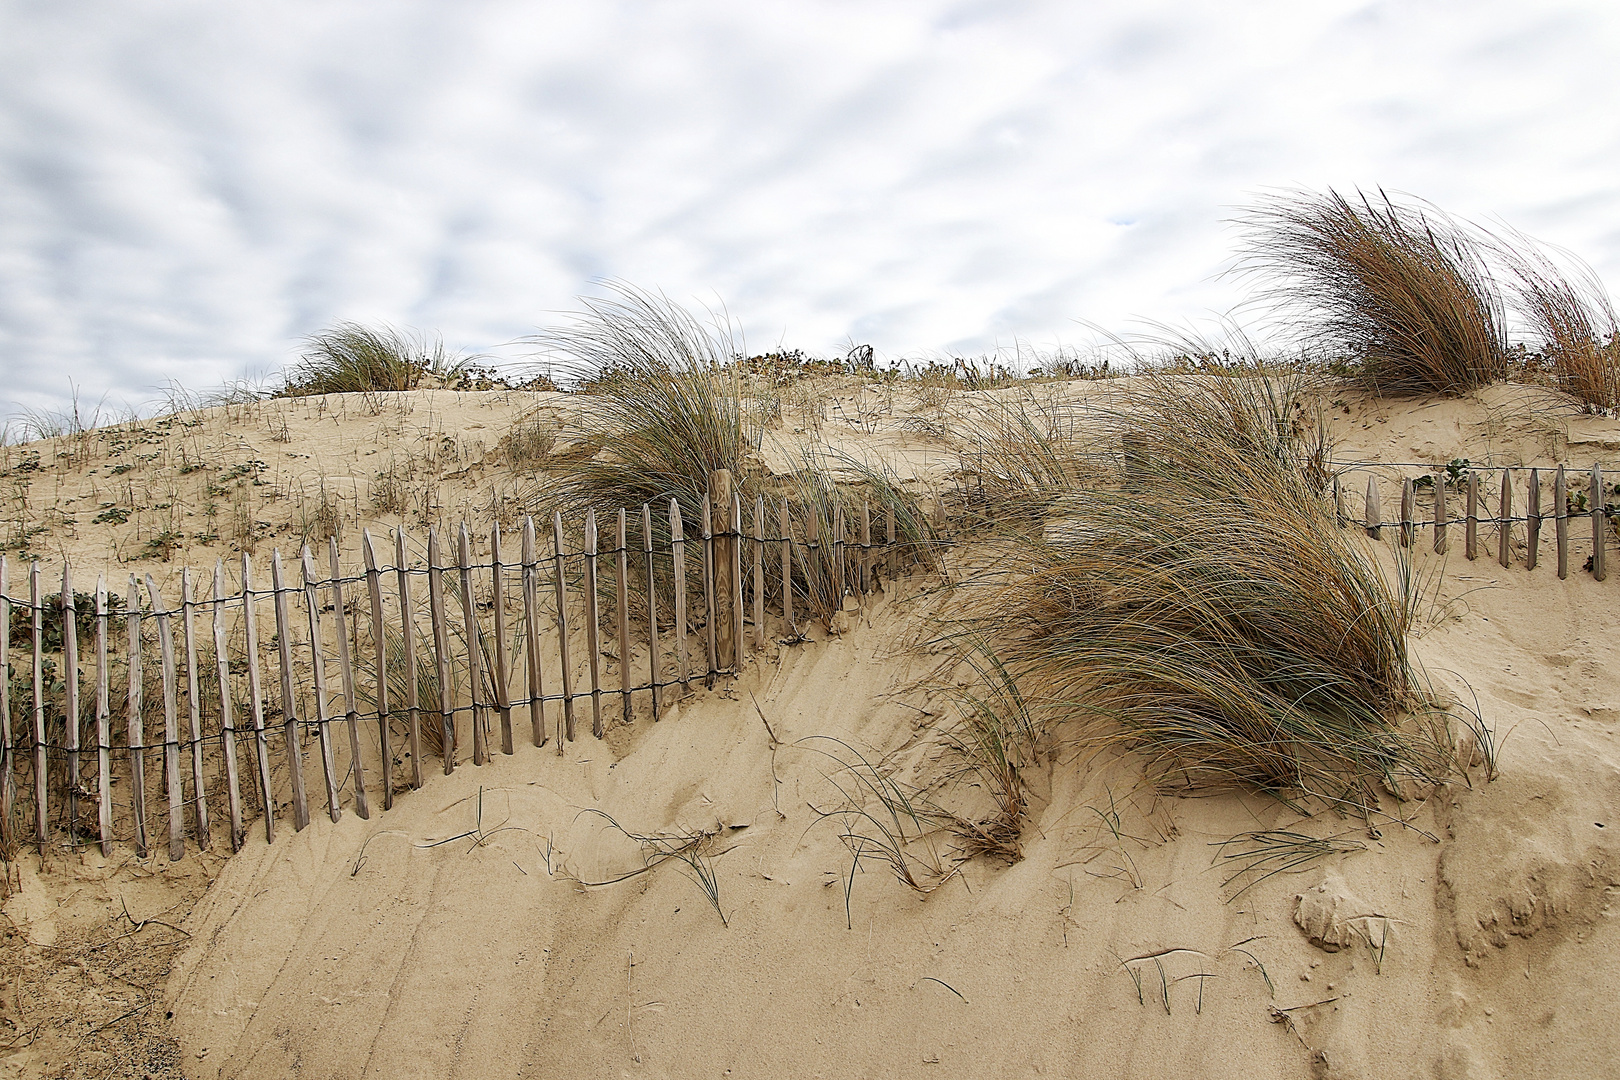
1210,612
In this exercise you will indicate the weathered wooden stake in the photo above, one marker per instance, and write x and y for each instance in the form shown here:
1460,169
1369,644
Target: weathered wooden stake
199,805
531,635
503,697
227,721
351,706
1533,512
1600,526
36,603
785,521
655,673
171,726
739,638
441,650
1375,514
317,656
261,745
1561,521
1472,536
1408,499
1441,543
103,719
135,725
840,557
709,636
1504,535
562,634
621,589
759,572
593,627
407,627
678,548
475,651
380,660
70,702
293,737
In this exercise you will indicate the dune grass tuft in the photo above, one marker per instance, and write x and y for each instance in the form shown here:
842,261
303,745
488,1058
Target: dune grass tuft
1211,613
1403,293
353,358
1572,315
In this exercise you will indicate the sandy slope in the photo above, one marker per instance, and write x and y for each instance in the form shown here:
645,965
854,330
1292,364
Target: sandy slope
1476,936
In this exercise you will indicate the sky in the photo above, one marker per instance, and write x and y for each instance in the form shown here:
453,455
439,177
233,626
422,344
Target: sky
189,188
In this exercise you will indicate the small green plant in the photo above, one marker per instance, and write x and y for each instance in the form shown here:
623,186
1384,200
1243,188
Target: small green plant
162,546
111,515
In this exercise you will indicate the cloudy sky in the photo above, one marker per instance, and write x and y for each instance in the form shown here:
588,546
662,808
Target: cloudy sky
187,188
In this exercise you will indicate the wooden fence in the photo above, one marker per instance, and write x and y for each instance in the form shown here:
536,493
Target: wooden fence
1426,506
243,703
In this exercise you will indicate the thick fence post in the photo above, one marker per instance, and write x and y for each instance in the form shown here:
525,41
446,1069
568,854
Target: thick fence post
103,720
1504,536
759,572
1472,540
36,604
621,591
655,673
1375,512
739,640
1441,544
785,520
1408,508
199,806
709,575
678,555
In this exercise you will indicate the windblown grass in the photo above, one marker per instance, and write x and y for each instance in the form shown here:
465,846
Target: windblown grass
1575,320
1402,292
353,358
1212,614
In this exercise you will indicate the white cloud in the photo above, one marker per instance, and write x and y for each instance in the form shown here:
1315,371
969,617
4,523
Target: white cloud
187,188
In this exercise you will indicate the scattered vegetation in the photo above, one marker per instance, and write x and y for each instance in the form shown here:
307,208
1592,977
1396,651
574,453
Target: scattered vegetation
1403,293
353,358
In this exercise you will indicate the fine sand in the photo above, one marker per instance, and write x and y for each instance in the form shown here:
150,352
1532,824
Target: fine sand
1467,934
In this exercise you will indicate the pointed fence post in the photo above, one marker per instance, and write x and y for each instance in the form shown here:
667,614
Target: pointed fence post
739,640
759,572
70,702
103,719
503,700
785,522
593,624
562,634
1473,514
36,603
441,650
654,666
227,722
1441,544
531,635
1504,534
199,806
1600,526
135,726
351,710
250,628
1375,513
1408,501
171,726
380,659
292,736
1561,521
475,651
622,604
678,554
407,629
1533,513
317,655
